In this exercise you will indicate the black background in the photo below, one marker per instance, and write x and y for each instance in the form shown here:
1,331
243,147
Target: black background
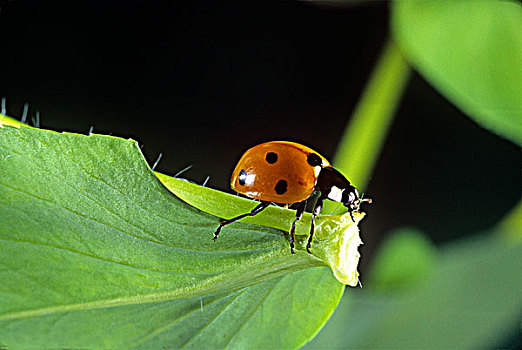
203,81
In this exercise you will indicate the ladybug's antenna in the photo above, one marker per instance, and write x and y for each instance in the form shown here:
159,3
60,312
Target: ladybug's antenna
362,199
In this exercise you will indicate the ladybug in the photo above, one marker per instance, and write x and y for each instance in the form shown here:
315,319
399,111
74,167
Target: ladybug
285,172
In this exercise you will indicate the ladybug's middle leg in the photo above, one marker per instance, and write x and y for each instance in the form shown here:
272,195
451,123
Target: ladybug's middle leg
298,215
317,209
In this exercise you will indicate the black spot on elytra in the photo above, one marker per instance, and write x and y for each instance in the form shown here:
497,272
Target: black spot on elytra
271,157
314,160
242,177
281,187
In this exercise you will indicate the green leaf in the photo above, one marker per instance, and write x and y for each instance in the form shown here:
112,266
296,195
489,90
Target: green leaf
337,236
471,52
5,120
97,253
511,224
405,259
469,300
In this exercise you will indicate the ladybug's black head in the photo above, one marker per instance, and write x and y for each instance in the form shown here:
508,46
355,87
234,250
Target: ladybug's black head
352,201
350,198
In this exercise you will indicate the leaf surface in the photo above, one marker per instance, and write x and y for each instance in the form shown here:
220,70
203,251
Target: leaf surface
96,252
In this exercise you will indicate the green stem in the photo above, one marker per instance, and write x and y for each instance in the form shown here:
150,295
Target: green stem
364,137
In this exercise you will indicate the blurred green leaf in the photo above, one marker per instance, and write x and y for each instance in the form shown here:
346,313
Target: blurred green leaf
471,51
405,259
97,253
511,225
470,300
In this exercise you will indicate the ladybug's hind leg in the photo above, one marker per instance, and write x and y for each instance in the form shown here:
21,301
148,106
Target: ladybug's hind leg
225,222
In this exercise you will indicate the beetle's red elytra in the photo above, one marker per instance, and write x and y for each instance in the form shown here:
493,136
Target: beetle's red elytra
286,172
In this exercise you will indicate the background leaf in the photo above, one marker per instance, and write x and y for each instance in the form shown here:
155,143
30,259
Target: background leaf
470,299
471,52
97,253
405,259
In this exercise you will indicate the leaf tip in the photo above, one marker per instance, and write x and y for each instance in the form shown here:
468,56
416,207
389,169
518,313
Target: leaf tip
339,242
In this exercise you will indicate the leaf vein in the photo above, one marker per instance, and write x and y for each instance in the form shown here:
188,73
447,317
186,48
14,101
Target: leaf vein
96,257
182,317
260,303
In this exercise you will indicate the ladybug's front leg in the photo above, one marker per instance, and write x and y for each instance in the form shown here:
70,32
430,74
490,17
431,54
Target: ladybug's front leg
317,209
298,215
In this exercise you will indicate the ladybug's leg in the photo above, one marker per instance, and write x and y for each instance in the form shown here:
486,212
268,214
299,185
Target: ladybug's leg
254,211
351,214
317,209
298,215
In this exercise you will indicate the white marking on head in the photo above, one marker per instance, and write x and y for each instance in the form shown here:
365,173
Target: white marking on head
336,194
